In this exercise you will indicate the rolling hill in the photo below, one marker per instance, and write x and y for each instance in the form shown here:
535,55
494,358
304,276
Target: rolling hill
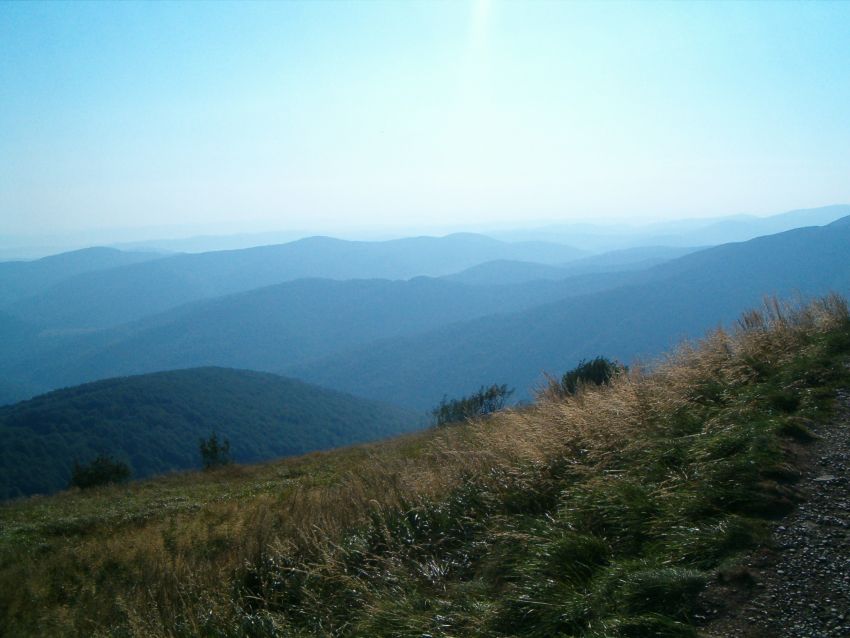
118,295
414,341
505,271
272,328
685,232
681,298
154,423
21,279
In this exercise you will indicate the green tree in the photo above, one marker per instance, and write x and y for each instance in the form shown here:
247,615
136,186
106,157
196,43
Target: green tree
214,453
101,471
597,371
486,401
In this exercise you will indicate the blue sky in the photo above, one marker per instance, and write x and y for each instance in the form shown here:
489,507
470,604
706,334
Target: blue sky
329,116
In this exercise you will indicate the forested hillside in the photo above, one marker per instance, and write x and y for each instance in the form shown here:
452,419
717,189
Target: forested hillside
154,423
681,298
274,327
21,279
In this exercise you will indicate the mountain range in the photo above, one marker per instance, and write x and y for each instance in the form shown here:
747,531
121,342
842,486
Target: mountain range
685,232
504,271
411,341
679,299
372,326
112,296
22,279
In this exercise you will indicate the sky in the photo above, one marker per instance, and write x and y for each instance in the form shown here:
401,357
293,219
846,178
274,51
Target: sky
333,116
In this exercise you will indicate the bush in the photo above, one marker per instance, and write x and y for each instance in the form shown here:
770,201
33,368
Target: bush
101,471
598,371
214,453
484,402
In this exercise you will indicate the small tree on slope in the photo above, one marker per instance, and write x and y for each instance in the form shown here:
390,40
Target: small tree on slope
214,453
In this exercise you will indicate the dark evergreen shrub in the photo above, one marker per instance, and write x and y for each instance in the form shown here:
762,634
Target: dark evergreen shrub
597,371
214,453
101,471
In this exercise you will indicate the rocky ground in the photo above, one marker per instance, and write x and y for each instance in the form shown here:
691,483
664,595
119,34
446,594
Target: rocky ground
801,587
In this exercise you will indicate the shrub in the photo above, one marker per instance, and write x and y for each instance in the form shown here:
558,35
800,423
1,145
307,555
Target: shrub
484,402
101,471
214,453
598,371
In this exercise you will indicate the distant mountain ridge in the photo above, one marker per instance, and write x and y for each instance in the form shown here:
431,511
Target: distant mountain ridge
690,232
324,329
680,298
276,327
119,295
20,279
154,423
101,287
514,272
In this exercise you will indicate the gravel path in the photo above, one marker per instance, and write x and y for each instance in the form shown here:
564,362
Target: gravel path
800,589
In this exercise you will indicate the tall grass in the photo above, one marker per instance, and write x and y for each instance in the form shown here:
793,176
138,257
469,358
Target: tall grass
599,514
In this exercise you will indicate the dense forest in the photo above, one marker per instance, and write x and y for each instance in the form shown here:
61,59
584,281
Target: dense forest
154,423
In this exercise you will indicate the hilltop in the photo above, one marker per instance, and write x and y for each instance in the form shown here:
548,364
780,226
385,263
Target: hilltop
153,422
605,513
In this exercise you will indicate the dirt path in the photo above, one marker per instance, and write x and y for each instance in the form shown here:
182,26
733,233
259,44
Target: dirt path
800,588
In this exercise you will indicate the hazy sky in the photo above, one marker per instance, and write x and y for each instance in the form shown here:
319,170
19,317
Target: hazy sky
327,115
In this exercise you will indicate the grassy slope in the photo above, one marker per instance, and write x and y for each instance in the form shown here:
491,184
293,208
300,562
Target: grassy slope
599,515
154,422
